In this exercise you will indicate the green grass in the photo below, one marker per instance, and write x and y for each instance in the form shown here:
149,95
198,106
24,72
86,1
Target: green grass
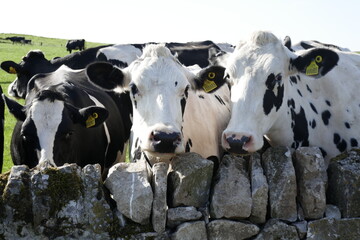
51,47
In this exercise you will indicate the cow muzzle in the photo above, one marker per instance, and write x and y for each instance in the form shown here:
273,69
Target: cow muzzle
234,144
164,142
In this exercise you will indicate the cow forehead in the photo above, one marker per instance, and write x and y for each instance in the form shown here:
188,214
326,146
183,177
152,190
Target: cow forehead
47,115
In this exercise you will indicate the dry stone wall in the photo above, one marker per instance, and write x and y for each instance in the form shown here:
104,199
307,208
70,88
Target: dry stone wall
279,194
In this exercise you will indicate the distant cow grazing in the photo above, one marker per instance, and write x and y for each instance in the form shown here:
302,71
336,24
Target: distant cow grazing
16,39
169,116
303,98
67,120
76,44
35,62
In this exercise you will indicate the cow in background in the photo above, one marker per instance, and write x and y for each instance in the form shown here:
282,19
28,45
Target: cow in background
75,44
169,115
67,120
35,62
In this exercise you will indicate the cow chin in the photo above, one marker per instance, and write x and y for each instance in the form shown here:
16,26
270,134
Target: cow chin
155,156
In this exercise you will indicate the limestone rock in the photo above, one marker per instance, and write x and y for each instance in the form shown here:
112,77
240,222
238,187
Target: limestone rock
131,189
231,196
190,231
231,230
280,174
179,215
344,183
259,190
276,229
159,207
189,180
331,229
311,181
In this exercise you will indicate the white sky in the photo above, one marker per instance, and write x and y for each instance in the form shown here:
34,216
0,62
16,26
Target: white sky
140,21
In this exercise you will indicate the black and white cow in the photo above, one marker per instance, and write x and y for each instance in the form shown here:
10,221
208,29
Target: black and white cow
303,45
303,98
75,44
35,62
67,120
169,117
2,118
120,55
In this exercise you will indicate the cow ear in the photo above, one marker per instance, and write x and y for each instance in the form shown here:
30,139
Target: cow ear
210,79
10,67
89,117
316,62
15,108
105,75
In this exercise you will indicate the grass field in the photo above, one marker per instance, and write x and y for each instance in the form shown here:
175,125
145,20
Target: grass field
51,47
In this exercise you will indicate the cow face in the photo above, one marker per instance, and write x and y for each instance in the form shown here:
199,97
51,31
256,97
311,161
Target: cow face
159,86
33,63
260,72
48,127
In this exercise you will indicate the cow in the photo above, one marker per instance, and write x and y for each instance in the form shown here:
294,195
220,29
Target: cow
120,55
16,39
76,44
170,114
67,120
35,62
310,44
303,98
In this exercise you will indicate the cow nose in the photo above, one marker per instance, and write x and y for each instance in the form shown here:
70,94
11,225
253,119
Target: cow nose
236,144
164,142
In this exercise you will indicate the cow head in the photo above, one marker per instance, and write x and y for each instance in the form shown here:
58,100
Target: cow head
159,87
260,72
49,124
33,63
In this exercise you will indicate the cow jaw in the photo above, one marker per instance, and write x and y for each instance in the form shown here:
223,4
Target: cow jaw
47,116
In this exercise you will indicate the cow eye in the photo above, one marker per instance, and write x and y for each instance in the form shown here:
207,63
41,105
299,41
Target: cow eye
186,91
133,88
278,77
68,134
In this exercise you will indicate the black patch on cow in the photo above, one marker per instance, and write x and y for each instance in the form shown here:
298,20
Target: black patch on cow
201,96
347,125
326,116
270,99
299,92
305,45
353,142
313,108
312,123
220,100
293,80
188,145
136,142
341,144
299,126
324,153
328,103
291,103
176,83
183,104
137,154
308,88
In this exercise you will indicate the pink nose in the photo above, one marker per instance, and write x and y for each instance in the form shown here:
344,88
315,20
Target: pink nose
235,142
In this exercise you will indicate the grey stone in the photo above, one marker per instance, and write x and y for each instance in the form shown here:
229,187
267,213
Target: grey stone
176,216
332,211
280,174
344,183
131,189
259,190
190,231
276,229
301,228
159,207
311,177
230,230
189,180
231,196
331,229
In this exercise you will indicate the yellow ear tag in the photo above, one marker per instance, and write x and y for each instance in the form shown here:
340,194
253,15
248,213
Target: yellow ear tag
312,69
90,122
208,85
12,70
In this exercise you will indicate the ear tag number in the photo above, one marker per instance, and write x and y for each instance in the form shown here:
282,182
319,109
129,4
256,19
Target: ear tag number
12,70
90,122
312,69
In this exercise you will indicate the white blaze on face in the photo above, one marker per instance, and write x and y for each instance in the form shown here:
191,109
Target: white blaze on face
47,117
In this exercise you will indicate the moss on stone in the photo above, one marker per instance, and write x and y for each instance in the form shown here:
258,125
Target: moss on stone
3,181
62,188
129,231
344,155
